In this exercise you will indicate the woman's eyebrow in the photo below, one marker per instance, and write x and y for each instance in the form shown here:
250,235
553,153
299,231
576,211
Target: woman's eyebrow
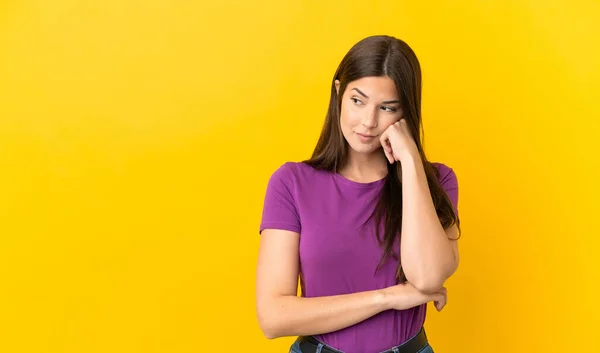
364,95
360,92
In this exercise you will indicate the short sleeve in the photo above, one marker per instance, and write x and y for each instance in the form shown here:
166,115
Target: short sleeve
449,183
279,209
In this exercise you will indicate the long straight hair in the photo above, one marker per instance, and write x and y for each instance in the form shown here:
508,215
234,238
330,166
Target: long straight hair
391,57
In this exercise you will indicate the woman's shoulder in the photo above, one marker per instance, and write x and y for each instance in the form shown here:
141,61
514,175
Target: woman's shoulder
292,171
443,168
446,173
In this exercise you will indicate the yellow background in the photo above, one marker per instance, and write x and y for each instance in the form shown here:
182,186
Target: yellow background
136,139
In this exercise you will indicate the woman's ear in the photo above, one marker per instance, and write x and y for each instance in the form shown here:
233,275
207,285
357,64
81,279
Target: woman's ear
337,86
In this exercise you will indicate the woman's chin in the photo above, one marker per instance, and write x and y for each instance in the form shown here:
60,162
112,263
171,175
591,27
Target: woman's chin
362,148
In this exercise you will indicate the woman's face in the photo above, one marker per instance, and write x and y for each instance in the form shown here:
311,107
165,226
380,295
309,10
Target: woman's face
369,106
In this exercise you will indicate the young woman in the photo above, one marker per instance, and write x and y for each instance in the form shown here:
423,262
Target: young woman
368,225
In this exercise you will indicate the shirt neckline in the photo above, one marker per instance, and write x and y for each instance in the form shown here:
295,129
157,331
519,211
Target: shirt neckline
358,184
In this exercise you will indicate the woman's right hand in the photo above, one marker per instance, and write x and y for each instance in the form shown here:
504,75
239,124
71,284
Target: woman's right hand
405,296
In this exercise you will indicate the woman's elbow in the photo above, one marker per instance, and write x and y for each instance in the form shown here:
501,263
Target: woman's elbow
268,323
430,284
269,332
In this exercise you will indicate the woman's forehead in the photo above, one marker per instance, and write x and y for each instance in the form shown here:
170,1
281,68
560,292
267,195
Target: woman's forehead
376,87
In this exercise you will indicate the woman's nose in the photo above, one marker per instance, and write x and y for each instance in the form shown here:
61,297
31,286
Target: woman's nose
370,120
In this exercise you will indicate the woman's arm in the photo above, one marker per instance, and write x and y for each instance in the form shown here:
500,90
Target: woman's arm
429,255
281,313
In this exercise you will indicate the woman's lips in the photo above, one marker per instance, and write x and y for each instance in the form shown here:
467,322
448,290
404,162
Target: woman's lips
365,138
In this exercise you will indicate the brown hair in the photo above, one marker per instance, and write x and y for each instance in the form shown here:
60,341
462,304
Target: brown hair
392,57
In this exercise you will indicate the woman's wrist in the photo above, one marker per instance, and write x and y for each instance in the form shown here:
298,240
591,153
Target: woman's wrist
382,298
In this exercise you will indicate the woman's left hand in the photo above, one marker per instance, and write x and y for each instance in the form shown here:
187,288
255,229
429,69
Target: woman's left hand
397,141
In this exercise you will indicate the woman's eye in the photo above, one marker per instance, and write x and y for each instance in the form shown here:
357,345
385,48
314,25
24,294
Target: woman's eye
356,100
389,109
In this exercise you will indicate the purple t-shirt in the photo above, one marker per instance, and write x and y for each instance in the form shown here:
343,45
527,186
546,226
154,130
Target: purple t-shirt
337,255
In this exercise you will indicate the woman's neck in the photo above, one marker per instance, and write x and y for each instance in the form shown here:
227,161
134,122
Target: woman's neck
365,168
